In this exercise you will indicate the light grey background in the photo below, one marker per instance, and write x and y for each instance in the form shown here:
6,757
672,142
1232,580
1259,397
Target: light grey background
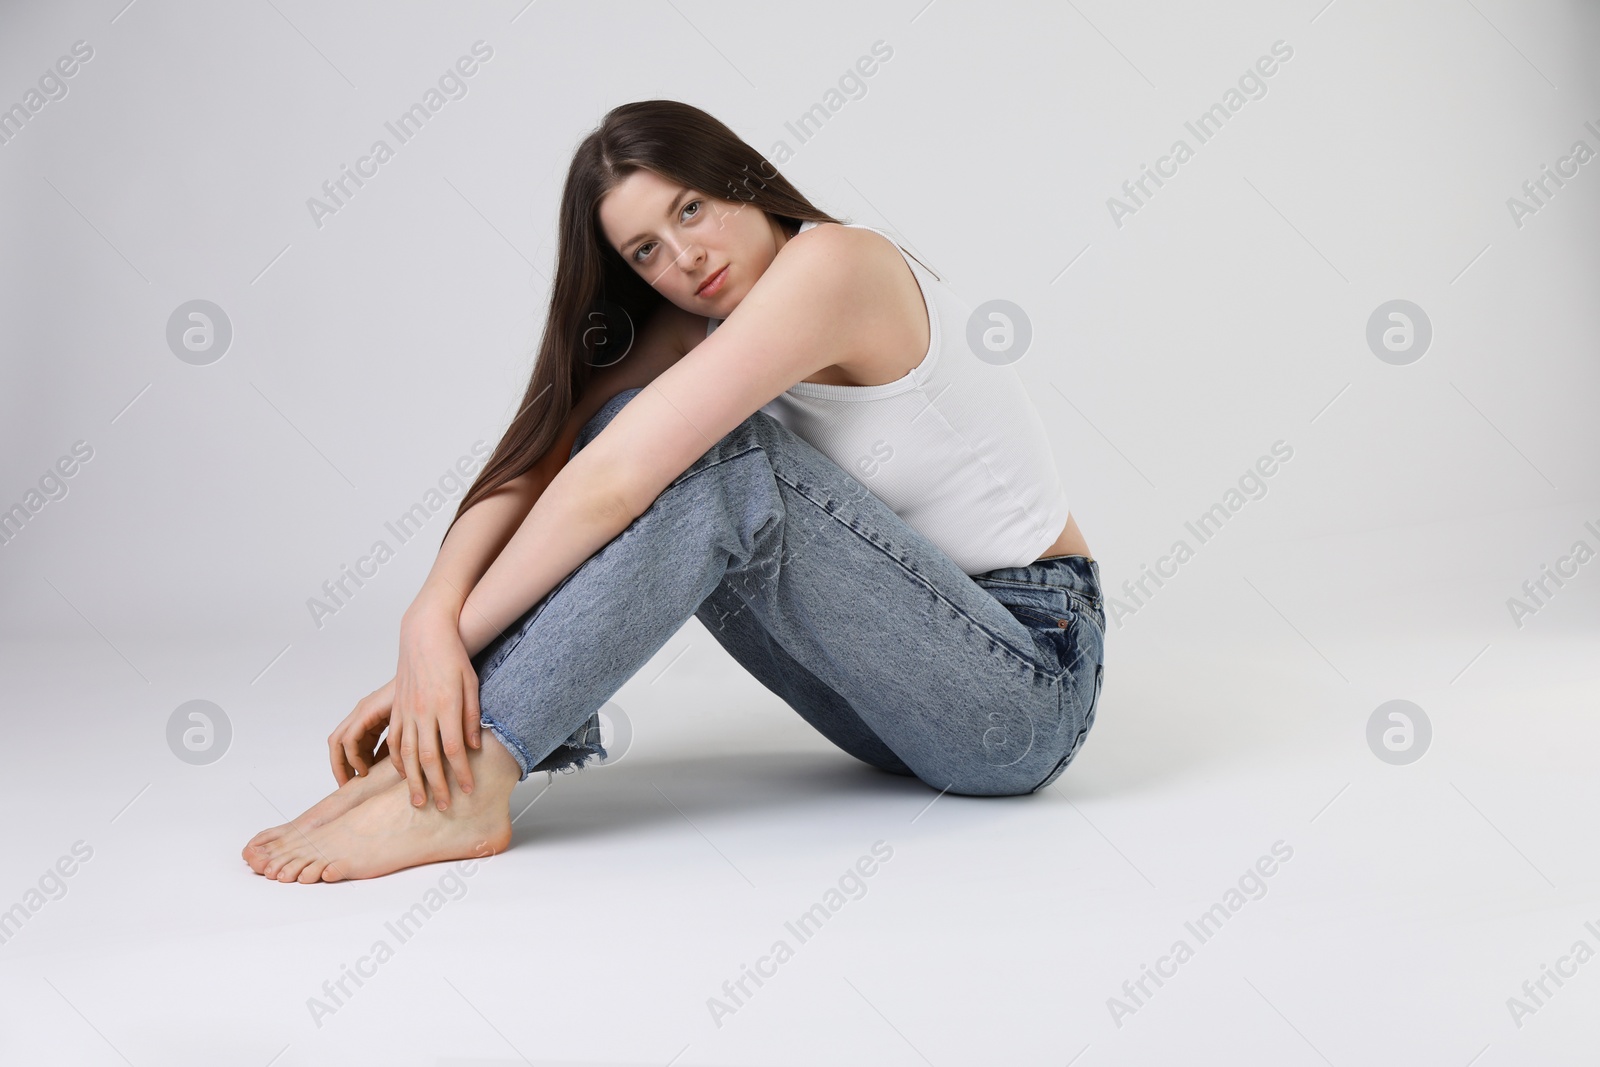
372,352
1169,353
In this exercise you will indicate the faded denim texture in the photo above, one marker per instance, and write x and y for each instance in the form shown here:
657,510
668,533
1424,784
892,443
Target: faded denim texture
980,685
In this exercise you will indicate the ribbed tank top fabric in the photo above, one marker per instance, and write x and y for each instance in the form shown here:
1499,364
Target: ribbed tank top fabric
956,447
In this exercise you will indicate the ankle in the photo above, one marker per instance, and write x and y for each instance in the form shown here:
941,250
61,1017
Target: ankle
495,771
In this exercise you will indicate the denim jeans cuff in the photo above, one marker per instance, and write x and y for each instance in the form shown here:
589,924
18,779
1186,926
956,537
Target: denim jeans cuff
570,755
577,750
513,746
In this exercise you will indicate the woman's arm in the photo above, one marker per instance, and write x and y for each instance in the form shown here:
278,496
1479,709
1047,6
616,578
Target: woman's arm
480,534
429,625
434,678
434,666
800,316
804,313
483,530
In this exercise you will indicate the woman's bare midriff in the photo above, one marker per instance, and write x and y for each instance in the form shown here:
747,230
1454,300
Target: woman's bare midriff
1070,543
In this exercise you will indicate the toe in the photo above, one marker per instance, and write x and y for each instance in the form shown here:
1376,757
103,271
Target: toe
291,869
332,873
264,836
257,856
312,872
279,859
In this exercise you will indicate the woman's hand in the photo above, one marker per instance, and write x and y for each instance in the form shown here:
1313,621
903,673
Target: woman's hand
354,744
435,706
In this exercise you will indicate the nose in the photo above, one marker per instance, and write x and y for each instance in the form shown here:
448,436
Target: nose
689,257
686,258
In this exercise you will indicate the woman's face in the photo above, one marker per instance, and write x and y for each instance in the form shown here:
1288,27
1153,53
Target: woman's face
699,252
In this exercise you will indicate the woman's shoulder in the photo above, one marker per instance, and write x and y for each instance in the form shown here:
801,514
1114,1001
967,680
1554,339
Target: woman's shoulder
852,256
855,270
867,258
839,236
886,317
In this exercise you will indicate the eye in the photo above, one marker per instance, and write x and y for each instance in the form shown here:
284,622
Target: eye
639,254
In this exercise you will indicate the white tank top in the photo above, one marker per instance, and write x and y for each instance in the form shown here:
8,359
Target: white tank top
955,448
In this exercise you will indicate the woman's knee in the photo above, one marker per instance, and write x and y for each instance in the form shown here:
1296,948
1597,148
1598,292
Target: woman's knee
601,418
759,431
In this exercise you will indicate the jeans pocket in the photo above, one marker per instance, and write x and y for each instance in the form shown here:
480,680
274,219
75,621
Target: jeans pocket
1038,618
1072,638
1091,609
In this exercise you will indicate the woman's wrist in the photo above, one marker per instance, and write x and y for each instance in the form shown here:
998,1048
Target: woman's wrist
436,603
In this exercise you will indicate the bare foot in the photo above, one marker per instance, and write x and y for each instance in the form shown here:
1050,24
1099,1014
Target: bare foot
386,833
379,777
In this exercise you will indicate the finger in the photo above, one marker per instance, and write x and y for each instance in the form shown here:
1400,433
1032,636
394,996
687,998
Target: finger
432,766
408,757
369,750
397,730
361,739
474,712
336,759
455,750
352,753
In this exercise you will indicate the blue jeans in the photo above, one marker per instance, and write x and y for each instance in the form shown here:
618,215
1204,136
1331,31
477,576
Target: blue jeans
982,685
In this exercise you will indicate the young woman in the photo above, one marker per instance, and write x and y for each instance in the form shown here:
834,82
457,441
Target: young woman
798,448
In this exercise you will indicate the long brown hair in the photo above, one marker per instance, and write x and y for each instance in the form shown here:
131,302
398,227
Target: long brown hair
595,291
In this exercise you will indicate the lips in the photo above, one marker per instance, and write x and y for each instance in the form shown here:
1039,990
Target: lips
711,284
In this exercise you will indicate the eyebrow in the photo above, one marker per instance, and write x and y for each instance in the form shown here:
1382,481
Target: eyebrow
683,191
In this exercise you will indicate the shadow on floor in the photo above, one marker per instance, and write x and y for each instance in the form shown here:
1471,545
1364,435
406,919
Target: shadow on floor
643,794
